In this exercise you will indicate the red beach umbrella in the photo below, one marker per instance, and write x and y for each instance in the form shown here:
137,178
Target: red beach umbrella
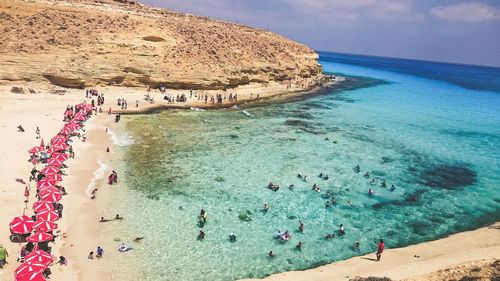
65,131
35,149
80,117
48,216
62,156
21,225
33,276
45,182
73,126
54,149
68,112
55,177
50,170
44,226
40,237
55,162
50,194
58,138
38,257
42,205
28,268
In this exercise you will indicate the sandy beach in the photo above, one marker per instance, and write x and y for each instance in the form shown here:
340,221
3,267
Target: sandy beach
83,232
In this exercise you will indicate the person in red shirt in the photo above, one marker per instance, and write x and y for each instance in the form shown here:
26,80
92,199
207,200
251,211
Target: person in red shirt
380,249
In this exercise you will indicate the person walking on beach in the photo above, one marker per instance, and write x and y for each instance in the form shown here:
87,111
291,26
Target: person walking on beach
3,256
100,251
380,248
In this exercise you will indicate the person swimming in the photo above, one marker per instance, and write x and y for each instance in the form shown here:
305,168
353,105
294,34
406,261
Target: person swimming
291,186
327,205
367,174
393,188
299,246
341,229
330,236
232,237
358,169
373,181
326,177
266,207
301,227
201,235
384,184
370,191
349,203
138,239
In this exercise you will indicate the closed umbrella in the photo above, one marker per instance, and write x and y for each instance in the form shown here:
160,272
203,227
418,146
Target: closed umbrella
39,257
40,237
44,226
50,194
28,268
42,144
48,215
21,225
26,192
42,205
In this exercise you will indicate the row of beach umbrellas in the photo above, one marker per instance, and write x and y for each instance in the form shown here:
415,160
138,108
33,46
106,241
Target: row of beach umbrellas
37,261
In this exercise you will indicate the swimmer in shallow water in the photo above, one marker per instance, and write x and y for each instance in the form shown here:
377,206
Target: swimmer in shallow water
330,236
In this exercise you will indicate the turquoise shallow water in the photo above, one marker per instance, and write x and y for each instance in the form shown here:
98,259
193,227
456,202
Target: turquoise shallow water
435,141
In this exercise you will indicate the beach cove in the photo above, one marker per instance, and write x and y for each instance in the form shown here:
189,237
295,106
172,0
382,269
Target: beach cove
210,138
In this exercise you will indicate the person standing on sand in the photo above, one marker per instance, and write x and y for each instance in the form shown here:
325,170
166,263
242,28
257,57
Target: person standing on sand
380,248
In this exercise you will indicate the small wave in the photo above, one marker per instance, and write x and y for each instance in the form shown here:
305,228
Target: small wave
246,113
98,174
121,140
197,109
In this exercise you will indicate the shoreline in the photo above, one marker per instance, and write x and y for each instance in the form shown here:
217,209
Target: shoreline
81,213
417,262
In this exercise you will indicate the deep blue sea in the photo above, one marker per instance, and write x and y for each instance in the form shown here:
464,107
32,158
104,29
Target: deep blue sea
430,129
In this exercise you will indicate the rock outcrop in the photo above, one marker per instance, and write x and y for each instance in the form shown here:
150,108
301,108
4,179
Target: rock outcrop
87,43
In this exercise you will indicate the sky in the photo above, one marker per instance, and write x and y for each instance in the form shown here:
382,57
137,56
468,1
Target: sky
466,32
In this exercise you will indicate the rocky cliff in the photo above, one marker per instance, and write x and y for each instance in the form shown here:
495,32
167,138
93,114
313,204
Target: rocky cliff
86,43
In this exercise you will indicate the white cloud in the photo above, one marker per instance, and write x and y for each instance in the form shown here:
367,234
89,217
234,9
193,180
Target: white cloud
468,11
346,12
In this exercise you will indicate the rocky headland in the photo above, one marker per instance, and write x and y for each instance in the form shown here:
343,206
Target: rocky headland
123,43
